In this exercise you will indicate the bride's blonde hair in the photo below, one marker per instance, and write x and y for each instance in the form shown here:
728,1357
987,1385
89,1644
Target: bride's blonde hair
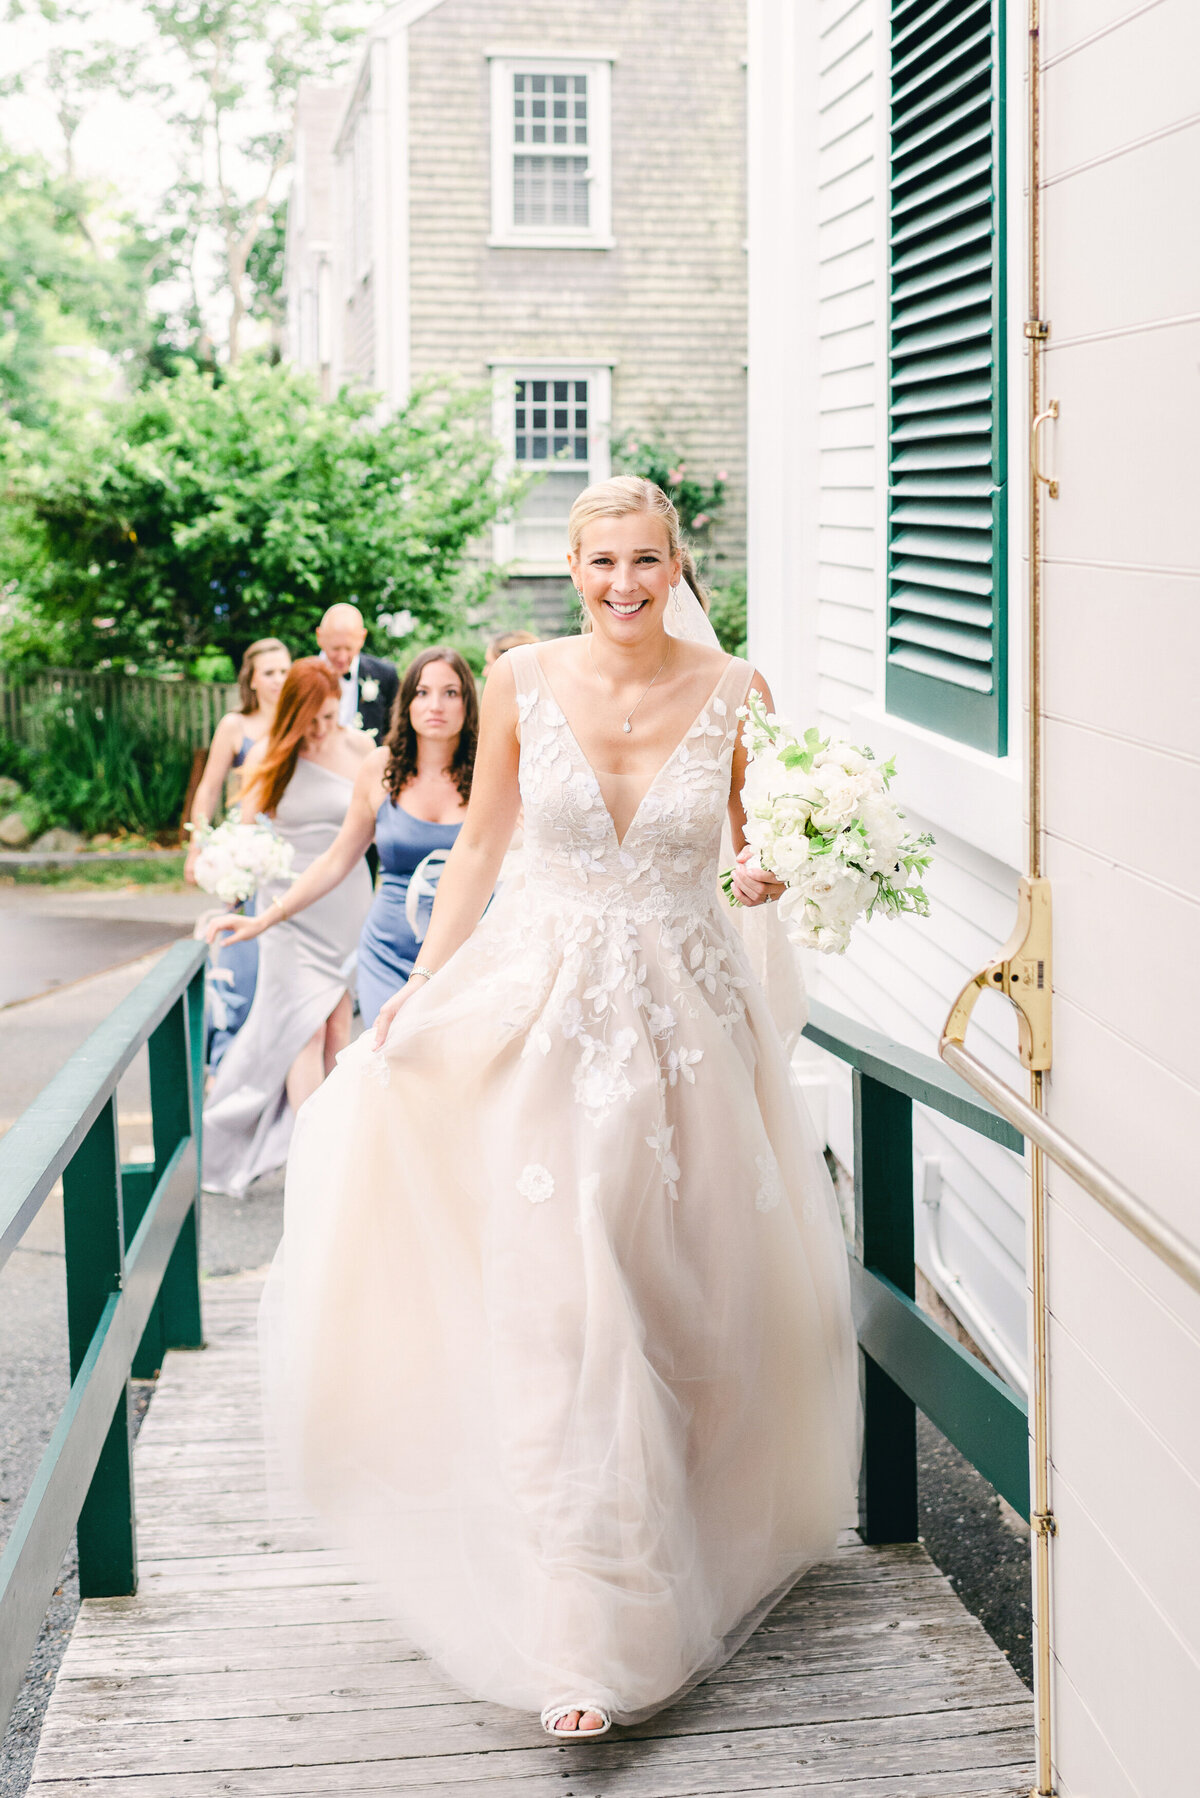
617,498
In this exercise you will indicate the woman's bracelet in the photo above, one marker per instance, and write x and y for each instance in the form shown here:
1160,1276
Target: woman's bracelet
277,904
425,973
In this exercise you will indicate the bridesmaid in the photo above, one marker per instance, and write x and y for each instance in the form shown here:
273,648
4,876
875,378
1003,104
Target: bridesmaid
498,645
410,799
260,682
302,777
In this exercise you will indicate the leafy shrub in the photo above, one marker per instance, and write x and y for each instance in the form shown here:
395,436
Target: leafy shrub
727,614
199,513
113,773
697,502
16,761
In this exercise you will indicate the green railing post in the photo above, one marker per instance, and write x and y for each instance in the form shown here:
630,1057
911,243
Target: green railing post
94,1232
173,1098
137,1189
883,1230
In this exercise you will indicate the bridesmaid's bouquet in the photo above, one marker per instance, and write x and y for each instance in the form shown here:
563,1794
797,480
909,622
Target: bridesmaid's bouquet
819,818
236,859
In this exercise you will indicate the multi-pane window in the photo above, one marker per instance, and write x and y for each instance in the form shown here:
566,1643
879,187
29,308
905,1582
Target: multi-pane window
946,463
555,422
548,188
550,136
550,421
550,110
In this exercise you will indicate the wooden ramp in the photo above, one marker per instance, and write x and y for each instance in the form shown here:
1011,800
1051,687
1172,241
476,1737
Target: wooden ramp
252,1664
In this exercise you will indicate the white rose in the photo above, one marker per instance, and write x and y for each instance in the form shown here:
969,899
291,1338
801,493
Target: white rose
368,690
885,831
789,855
844,756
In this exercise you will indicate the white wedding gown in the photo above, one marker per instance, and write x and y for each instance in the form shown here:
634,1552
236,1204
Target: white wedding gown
559,1338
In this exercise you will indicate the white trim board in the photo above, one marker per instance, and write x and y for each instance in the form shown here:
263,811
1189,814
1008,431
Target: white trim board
977,797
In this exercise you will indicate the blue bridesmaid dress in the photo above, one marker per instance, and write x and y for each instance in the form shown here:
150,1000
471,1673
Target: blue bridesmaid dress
232,980
389,946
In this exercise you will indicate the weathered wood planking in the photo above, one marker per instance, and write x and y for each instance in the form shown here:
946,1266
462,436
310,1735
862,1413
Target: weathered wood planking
254,1664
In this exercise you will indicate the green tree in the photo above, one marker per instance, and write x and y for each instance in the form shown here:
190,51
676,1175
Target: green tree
223,74
240,58
200,513
70,311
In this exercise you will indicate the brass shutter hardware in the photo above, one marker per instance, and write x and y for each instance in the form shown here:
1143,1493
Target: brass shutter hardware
1035,443
1021,972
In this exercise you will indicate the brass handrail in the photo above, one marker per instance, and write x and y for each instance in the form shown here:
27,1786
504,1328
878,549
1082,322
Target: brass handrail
1174,1250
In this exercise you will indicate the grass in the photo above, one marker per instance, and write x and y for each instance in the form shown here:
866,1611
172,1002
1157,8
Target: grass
112,875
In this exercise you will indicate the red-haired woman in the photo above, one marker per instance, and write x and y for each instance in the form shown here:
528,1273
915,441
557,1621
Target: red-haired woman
410,799
302,776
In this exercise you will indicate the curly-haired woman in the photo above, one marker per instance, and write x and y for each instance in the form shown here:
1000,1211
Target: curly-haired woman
410,798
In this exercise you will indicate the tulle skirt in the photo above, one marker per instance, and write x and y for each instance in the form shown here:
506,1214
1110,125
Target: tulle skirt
559,1343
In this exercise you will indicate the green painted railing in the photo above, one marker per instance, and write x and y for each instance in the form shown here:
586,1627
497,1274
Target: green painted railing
908,1359
132,1278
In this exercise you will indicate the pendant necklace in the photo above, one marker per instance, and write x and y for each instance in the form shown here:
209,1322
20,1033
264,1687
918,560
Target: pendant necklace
628,724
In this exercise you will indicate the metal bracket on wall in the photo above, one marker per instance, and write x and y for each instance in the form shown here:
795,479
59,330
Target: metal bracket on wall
1042,418
1022,972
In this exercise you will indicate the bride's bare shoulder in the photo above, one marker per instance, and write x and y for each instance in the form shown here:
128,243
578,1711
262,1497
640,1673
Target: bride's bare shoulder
552,649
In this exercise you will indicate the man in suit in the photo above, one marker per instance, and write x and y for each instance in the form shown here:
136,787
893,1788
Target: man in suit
369,684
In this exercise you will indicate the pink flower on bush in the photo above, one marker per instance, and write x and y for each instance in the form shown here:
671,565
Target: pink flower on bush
700,520
722,474
675,475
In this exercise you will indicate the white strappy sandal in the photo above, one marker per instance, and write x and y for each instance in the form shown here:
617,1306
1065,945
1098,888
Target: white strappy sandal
554,1713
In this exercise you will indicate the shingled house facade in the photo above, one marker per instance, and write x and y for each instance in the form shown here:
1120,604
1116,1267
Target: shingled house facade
550,199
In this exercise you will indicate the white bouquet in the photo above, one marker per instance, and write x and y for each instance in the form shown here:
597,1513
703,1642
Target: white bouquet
819,818
236,859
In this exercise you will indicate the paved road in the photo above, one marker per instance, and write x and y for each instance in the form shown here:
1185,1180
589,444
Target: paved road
50,938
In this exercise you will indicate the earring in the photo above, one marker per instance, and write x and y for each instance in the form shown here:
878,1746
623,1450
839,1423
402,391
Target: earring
675,606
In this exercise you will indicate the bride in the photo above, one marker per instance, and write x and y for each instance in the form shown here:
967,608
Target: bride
559,1336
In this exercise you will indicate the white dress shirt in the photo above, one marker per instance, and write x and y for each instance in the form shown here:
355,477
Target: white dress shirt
348,704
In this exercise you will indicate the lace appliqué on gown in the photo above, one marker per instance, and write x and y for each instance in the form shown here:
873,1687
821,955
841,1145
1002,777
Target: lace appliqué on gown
598,891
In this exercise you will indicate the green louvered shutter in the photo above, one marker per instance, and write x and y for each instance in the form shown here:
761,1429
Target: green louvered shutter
946,483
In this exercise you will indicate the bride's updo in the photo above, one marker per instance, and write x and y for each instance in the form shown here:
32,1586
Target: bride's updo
617,498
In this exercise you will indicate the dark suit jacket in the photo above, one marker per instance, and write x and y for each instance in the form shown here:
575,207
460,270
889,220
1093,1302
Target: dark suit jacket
376,713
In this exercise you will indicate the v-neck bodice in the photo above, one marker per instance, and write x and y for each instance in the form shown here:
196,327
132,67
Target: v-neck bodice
666,860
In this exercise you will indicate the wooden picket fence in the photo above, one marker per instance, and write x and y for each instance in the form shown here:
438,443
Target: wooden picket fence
184,709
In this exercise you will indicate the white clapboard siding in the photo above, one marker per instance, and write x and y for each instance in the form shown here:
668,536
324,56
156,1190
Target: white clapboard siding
1122,645
899,977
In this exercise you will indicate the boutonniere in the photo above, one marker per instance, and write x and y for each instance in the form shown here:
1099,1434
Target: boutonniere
369,689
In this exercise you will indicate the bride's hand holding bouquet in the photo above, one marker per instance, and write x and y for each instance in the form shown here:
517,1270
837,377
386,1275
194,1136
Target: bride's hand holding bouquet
820,819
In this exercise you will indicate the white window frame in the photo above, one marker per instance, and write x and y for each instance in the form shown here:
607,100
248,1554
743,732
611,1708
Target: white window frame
505,374
597,235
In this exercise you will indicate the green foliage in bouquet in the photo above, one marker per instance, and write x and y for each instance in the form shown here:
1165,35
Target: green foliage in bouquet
820,818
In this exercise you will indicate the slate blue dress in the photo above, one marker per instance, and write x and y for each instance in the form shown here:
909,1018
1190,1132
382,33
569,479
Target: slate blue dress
389,946
231,980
